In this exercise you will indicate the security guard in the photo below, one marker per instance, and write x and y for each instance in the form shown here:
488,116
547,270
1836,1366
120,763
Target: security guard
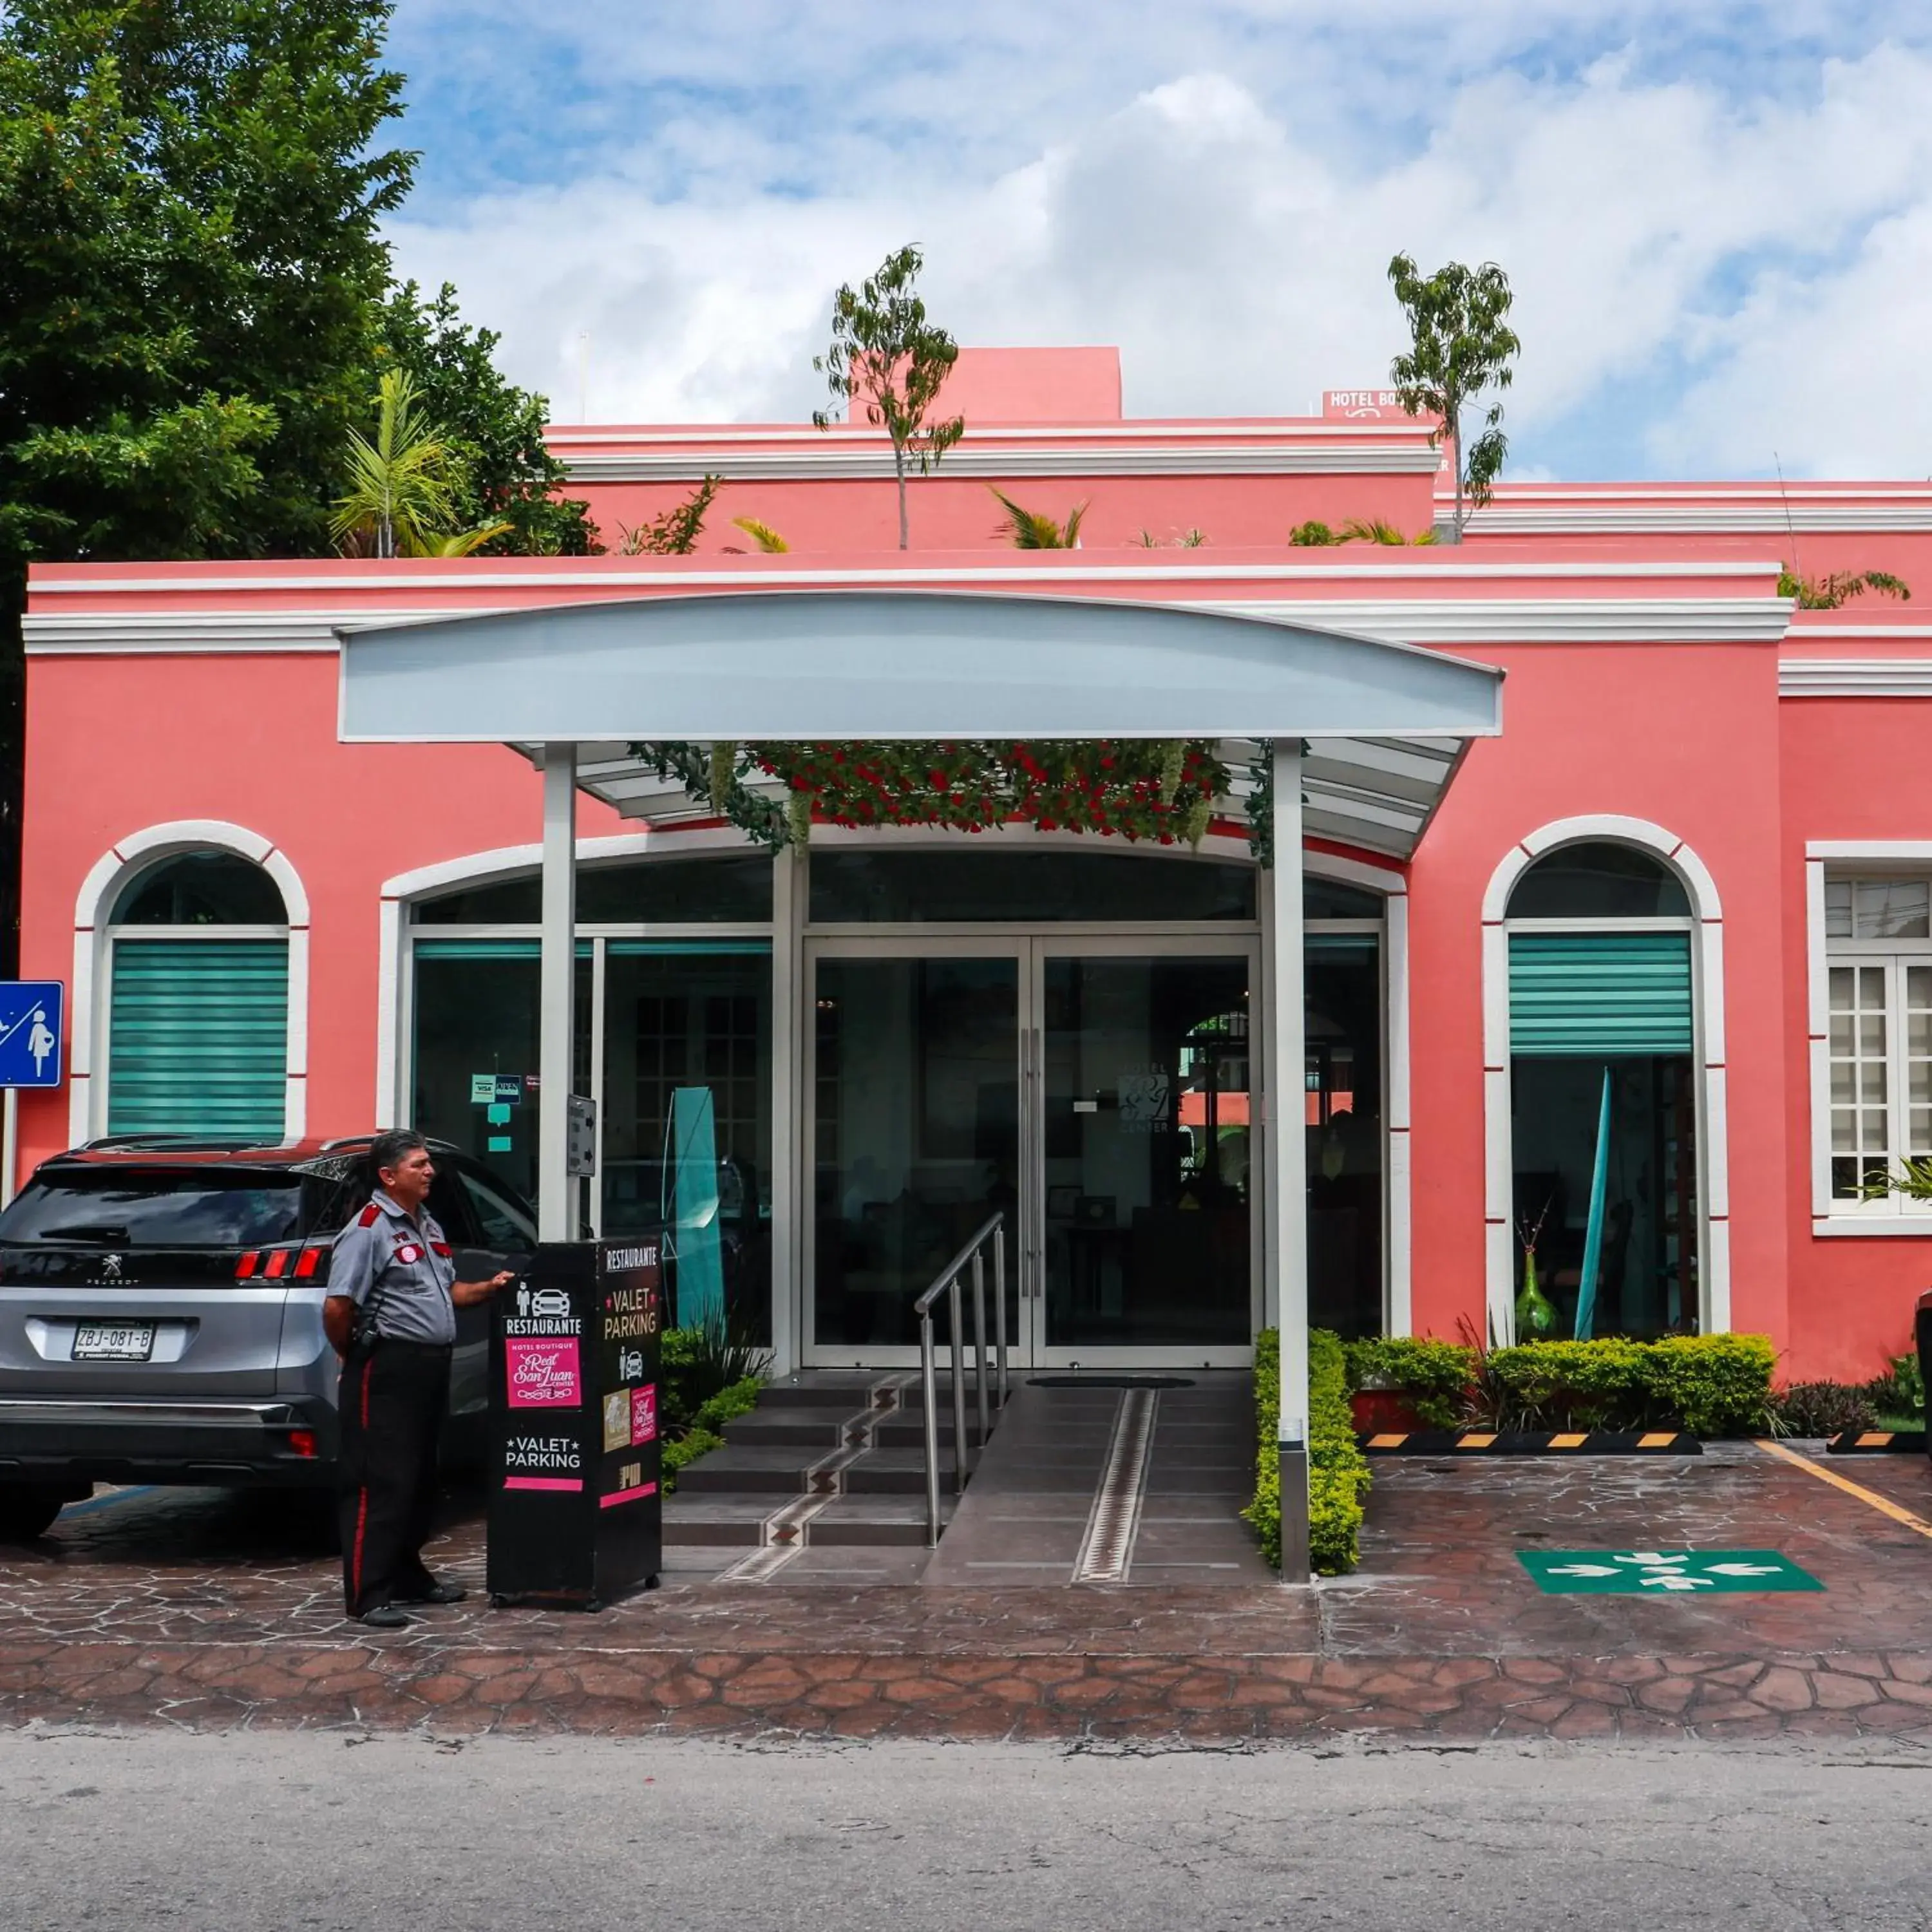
391,1315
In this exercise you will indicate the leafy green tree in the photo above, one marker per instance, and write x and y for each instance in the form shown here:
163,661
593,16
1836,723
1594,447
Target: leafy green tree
1461,347
674,531
501,470
886,359
1837,588
191,193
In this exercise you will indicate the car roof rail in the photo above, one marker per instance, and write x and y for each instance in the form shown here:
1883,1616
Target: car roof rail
108,1142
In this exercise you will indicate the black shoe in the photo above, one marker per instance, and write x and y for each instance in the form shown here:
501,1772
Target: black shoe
439,1593
385,1616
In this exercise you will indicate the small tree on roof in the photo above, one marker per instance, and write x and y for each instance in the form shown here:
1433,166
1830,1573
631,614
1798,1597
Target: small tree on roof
886,359
1461,344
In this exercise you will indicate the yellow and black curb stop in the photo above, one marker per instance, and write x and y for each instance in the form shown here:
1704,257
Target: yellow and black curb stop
1530,1442
1877,1442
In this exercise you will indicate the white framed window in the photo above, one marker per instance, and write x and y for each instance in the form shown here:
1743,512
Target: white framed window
1878,1036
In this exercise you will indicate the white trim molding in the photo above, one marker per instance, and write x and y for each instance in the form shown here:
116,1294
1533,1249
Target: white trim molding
1713,1110
823,462
106,879
1854,677
1768,511
1829,1219
1533,620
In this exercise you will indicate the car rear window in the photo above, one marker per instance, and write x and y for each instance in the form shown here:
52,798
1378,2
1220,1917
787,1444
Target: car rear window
122,1207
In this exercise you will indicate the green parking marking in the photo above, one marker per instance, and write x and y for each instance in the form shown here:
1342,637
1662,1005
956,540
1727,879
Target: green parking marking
1662,1572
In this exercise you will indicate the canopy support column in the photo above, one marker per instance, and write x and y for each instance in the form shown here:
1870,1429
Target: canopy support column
557,1191
1287,1179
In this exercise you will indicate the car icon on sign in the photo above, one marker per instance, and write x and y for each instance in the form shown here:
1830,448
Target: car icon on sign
550,1301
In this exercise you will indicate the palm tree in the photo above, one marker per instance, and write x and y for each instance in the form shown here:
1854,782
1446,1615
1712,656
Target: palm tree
766,538
1375,530
401,498
1034,529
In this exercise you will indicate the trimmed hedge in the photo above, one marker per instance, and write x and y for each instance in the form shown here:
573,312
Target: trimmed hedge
1432,1377
1338,1472
1709,1384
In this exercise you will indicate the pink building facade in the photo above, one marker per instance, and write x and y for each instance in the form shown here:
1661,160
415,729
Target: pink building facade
1647,977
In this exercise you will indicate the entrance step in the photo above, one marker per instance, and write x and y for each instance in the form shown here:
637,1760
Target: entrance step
825,1429
825,1460
765,1469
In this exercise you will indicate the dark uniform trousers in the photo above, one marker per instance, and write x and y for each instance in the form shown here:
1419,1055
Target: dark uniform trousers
393,1394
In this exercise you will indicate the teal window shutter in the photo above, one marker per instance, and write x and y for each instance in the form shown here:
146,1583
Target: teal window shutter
1600,993
198,1040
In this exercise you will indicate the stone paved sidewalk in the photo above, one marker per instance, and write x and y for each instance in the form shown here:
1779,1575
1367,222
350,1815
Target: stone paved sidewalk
214,1612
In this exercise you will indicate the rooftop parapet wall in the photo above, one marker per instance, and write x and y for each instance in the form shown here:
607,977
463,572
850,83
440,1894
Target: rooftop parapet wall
1496,593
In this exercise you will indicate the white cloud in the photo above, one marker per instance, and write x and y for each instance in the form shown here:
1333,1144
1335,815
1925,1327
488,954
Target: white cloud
1733,255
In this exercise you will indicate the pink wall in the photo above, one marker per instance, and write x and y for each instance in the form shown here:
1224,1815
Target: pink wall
1853,768
118,744
953,513
1624,729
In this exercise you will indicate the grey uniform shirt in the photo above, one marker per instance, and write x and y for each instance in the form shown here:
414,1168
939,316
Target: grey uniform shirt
404,1267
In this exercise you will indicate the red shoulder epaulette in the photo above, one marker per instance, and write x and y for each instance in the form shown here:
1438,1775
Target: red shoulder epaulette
369,1216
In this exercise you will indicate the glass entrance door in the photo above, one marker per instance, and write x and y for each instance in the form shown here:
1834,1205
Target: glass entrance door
915,1134
1097,1091
1142,1237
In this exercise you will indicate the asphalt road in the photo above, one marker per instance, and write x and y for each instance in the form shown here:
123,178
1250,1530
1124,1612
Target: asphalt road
313,1831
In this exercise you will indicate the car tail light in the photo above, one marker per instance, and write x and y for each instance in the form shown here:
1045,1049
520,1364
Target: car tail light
277,1264
307,1261
302,1441
245,1269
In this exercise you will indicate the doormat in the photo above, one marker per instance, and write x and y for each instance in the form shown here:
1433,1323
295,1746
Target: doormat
1662,1572
1109,1381
1877,1442
1573,1442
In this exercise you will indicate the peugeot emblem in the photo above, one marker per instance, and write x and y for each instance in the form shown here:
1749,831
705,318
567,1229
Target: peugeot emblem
110,1268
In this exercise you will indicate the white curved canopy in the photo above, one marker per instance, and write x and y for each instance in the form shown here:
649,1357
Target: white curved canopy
858,664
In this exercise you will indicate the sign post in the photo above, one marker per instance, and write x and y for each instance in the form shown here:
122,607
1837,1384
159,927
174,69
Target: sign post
575,1514
31,1015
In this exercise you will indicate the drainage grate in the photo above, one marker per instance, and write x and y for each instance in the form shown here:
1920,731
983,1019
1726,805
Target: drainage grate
1108,1548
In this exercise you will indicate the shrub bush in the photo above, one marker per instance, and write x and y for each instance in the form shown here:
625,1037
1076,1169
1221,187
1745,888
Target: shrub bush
1713,1385
1900,1393
1432,1377
1822,1408
1338,1472
1708,1384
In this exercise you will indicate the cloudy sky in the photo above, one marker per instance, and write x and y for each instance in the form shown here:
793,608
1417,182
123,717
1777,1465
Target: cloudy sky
1717,217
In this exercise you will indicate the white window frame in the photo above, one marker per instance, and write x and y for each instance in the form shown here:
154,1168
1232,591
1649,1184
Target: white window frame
1838,858
93,965
1707,1011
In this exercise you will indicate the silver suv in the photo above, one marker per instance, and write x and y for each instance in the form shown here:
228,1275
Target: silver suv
161,1313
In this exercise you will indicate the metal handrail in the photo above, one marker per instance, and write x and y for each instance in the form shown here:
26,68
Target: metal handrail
947,1282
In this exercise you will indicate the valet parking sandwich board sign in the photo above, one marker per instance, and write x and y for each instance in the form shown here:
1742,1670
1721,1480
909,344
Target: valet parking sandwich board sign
1662,1572
30,1056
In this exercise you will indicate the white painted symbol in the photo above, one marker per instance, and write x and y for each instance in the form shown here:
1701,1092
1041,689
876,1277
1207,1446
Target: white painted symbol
549,1302
523,1298
1583,1570
40,1041
1744,1569
1674,1579
1650,1559
630,1364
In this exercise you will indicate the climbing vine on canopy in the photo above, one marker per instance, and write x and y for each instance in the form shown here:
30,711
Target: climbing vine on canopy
1160,789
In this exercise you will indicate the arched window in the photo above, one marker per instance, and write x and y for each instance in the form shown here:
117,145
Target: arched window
1599,879
198,1000
1603,1095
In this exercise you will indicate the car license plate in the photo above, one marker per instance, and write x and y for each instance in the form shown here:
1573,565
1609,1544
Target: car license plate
113,1341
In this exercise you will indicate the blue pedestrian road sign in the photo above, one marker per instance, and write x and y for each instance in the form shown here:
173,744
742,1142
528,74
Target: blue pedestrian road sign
30,1032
